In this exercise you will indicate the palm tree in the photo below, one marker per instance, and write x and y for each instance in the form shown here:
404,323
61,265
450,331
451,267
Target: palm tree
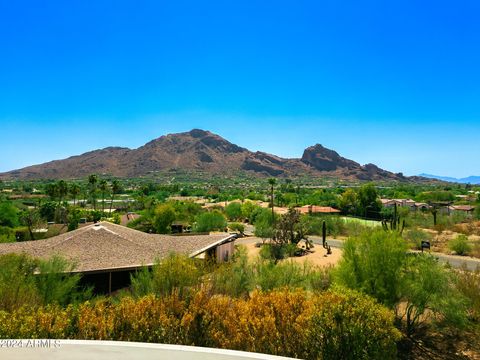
103,189
74,191
115,187
62,189
272,183
92,182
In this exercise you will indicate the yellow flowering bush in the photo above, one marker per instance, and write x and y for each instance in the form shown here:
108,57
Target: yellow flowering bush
338,324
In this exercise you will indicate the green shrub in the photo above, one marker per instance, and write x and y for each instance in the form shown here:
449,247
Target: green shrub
233,211
416,236
237,227
373,263
349,325
460,245
56,284
7,234
210,221
235,278
175,273
273,252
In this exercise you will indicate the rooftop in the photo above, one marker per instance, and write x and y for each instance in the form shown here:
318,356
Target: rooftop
106,246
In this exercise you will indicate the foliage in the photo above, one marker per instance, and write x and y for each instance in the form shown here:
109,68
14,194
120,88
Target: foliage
164,216
427,285
264,227
17,285
7,234
8,215
235,278
240,228
175,273
21,286
55,284
210,221
47,210
468,283
289,229
372,263
331,325
416,236
460,245
233,211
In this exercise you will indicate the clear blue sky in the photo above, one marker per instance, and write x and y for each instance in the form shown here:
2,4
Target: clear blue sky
396,83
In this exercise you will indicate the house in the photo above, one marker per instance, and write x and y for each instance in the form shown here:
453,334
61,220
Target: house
313,209
106,254
467,209
411,204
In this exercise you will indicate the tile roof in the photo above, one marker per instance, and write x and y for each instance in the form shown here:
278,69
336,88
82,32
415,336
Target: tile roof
105,246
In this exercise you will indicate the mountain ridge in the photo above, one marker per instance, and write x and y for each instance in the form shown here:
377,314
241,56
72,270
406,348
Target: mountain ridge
473,179
201,150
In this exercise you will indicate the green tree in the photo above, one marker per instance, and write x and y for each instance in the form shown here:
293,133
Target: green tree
368,201
62,190
349,202
92,188
233,211
103,187
164,215
74,191
115,189
210,221
264,225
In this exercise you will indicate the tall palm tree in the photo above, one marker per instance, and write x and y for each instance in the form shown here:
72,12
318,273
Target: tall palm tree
62,189
74,192
103,186
92,184
115,187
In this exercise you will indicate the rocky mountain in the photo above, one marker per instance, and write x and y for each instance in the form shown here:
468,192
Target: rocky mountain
200,150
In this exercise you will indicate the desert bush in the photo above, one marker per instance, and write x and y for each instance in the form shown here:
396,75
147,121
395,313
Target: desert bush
29,282
336,324
237,227
235,278
460,245
349,325
416,236
175,273
56,284
429,294
372,263
233,211
468,283
273,252
17,285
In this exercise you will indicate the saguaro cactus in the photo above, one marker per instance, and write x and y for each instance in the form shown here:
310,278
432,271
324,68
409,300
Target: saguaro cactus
394,224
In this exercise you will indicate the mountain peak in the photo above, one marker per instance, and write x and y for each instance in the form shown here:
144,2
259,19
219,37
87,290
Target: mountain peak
204,151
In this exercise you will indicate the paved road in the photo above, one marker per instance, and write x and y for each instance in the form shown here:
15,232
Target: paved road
453,260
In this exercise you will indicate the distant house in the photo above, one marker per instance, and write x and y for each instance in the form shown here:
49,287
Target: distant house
412,204
467,209
313,209
106,254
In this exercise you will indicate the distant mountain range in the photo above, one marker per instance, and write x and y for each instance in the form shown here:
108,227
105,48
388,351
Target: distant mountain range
474,180
203,151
